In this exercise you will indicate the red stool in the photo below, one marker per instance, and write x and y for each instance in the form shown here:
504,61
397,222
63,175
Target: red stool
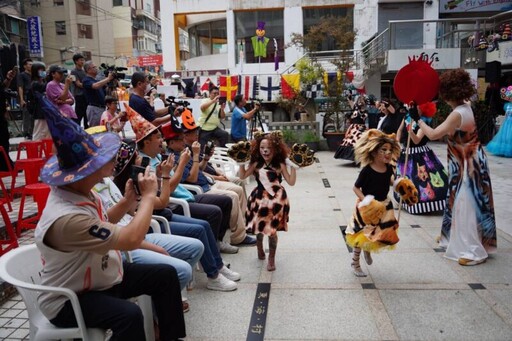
47,145
5,195
40,193
7,173
31,168
34,149
11,242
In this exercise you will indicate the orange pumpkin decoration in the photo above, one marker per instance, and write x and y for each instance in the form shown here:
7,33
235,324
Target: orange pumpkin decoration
188,122
260,31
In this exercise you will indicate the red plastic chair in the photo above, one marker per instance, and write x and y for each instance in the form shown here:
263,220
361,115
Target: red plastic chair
47,145
40,193
3,174
34,149
31,168
11,242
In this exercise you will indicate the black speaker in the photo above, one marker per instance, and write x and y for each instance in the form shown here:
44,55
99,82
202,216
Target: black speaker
492,72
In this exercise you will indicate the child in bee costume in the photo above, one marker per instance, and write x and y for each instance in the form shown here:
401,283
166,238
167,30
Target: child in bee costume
373,225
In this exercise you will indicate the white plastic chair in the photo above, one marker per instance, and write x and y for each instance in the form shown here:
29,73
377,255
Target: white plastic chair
21,268
195,189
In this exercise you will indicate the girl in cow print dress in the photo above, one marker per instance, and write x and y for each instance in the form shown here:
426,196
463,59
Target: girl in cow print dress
268,206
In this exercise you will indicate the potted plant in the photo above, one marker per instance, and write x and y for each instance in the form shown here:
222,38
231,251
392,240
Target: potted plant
311,139
338,31
289,137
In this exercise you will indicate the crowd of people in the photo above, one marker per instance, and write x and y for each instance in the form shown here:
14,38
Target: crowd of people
105,191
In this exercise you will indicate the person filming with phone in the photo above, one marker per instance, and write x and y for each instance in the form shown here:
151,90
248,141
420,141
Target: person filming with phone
212,112
59,93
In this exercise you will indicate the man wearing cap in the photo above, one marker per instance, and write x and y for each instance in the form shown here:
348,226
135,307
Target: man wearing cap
59,93
141,85
94,93
240,117
194,175
80,248
77,89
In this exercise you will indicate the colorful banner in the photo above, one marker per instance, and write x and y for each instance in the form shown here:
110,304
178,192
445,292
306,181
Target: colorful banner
290,85
269,88
314,90
247,86
228,86
35,40
153,60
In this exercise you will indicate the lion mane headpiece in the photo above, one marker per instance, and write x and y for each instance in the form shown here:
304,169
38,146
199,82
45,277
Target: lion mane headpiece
371,141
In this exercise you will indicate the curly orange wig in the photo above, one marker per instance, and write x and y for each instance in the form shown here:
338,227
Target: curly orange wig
280,149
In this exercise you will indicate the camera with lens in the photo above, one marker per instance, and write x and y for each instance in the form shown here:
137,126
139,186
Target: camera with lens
255,101
115,71
175,105
209,147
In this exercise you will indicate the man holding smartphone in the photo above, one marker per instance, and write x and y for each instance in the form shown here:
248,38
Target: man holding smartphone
212,111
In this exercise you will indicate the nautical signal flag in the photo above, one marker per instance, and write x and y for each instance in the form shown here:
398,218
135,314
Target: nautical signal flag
290,85
269,87
228,87
247,86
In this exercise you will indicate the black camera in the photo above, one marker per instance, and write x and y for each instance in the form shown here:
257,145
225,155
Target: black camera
115,71
174,105
209,147
255,101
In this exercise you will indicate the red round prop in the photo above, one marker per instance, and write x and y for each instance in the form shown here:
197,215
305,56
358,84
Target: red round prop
417,82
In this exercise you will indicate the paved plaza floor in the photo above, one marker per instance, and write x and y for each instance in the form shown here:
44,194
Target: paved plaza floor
411,293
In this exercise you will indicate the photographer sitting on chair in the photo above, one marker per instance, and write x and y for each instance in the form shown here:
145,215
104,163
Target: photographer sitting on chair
212,111
239,118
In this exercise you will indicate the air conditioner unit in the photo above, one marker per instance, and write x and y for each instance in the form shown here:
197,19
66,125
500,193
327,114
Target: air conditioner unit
82,27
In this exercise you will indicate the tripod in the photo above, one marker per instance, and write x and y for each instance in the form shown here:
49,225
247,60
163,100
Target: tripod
256,119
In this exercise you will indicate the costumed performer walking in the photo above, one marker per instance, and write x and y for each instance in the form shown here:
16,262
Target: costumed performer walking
423,167
373,225
469,225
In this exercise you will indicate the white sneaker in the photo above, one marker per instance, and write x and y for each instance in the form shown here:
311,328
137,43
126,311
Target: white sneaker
221,283
229,274
226,248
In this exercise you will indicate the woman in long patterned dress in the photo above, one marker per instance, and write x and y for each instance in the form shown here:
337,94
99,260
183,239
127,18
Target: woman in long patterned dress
356,128
423,168
469,225
268,206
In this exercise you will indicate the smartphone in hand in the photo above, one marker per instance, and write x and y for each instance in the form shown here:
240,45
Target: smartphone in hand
135,176
222,100
164,157
145,162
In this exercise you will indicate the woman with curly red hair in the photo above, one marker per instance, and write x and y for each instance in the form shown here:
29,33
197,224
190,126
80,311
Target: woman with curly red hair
469,225
268,206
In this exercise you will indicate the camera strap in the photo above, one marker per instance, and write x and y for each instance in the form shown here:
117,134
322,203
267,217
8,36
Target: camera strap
210,114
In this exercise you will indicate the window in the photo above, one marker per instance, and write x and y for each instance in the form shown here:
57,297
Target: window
246,24
58,2
83,7
117,3
60,28
312,16
87,55
84,31
208,38
35,3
